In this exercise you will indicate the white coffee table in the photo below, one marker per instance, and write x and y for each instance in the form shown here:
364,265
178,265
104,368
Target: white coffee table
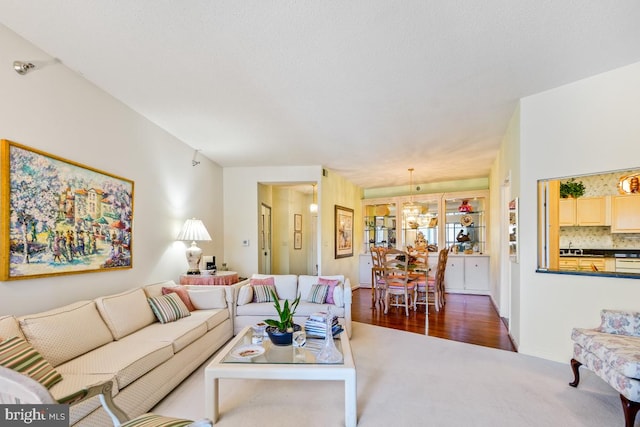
280,363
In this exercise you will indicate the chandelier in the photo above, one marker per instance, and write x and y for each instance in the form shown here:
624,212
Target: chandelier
411,210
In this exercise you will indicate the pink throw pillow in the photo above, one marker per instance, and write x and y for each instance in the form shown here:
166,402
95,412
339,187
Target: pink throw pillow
182,293
265,281
332,284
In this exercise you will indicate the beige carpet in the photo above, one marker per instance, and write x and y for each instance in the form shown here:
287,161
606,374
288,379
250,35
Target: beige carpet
407,379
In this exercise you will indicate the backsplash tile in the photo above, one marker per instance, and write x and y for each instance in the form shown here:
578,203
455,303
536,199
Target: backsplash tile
597,238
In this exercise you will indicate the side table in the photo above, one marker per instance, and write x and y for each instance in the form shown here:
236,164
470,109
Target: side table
220,278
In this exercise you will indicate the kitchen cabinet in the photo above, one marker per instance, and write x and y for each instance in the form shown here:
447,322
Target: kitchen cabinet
584,211
567,212
586,264
625,214
467,274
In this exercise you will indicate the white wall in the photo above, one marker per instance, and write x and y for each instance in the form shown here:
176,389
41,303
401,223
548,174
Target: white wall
55,110
585,127
505,172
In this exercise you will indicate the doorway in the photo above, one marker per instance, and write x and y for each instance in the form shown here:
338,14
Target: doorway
288,228
265,239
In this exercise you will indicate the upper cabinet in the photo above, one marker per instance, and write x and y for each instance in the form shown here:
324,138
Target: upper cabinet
584,211
432,220
380,225
625,214
465,227
420,222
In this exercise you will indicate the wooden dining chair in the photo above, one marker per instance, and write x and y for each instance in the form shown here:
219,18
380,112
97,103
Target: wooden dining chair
431,291
378,284
396,277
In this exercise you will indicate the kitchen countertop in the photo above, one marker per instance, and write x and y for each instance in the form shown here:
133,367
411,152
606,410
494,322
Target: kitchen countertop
603,253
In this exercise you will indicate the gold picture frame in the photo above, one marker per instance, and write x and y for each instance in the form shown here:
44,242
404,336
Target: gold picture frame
61,217
343,232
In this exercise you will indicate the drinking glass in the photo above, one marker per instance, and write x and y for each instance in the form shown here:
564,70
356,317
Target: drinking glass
299,338
258,333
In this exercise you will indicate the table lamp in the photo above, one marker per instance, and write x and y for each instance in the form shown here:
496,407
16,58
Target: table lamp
194,230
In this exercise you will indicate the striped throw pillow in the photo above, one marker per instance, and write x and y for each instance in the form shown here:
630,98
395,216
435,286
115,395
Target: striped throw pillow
318,294
156,421
262,293
168,308
17,354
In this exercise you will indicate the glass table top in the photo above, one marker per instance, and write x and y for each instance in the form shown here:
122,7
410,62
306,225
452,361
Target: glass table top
266,353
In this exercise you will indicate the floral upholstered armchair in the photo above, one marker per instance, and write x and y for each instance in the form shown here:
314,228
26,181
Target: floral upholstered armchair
612,351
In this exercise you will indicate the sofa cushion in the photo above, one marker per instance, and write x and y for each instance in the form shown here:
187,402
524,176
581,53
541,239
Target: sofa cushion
181,291
620,322
286,284
125,312
258,309
66,332
155,289
126,359
245,295
618,351
9,327
213,318
179,334
204,299
168,308
19,355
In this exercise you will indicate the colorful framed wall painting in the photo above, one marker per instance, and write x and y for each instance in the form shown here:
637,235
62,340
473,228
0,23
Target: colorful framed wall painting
343,232
61,217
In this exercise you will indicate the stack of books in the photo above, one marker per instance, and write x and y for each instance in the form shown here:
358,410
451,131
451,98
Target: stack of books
315,326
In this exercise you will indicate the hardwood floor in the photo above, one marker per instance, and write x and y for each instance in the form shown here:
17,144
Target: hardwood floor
467,318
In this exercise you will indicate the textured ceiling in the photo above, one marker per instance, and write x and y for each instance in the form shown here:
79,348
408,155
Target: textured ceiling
368,88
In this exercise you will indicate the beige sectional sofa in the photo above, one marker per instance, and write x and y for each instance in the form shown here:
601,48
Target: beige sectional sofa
288,286
118,337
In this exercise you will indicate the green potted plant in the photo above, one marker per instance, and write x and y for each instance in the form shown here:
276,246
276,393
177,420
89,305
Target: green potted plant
572,188
281,330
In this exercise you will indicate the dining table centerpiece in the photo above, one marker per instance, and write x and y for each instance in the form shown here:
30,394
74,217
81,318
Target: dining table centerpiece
280,331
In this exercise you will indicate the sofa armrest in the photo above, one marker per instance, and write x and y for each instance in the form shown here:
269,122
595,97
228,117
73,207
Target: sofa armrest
620,322
348,292
348,299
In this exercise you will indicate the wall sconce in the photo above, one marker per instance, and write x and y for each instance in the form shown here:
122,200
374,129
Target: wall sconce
194,230
313,207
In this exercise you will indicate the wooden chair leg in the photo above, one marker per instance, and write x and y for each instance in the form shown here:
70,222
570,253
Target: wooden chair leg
575,365
630,409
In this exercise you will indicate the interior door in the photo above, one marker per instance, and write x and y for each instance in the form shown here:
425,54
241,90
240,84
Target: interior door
265,239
